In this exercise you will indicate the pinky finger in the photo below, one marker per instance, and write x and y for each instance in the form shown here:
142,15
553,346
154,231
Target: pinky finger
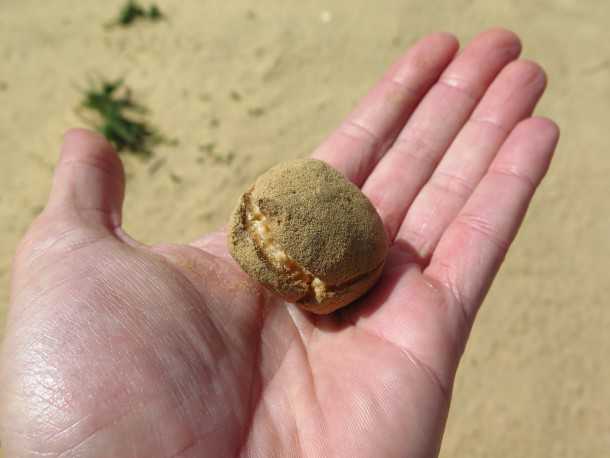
473,247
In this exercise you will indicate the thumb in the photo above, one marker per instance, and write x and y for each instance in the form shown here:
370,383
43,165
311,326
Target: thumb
89,181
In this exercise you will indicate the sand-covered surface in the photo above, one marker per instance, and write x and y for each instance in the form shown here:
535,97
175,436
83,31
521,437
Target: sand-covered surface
266,80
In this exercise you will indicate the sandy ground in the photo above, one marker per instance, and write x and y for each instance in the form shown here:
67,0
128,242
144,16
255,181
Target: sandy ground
535,379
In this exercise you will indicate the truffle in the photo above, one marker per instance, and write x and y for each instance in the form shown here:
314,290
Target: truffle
309,235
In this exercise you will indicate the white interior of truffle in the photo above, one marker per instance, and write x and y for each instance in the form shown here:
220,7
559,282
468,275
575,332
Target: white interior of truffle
258,226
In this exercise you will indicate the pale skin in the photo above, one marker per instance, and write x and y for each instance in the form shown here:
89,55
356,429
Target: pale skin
115,348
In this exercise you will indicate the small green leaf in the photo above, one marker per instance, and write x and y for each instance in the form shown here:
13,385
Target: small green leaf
133,11
120,118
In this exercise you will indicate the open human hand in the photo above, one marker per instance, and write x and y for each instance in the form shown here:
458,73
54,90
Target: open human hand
114,348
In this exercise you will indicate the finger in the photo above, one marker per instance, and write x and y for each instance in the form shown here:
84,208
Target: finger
356,146
89,181
402,172
473,247
510,99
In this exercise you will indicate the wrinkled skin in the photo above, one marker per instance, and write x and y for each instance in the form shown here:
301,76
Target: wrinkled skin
114,348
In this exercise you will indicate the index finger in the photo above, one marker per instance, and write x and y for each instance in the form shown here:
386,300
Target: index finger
356,146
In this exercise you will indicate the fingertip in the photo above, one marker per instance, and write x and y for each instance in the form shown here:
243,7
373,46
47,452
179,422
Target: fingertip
541,130
442,38
89,179
83,145
430,55
438,42
535,135
529,150
501,34
528,67
77,132
81,135
522,81
85,141
499,38
550,132
533,71
549,126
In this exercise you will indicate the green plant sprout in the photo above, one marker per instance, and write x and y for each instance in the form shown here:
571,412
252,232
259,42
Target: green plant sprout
119,118
132,11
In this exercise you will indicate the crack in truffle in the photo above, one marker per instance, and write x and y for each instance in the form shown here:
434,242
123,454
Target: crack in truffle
256,223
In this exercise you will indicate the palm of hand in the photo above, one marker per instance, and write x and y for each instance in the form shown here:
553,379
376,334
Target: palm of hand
116,348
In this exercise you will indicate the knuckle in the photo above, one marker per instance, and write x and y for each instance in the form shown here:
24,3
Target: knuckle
485,229
46,236
452,184
417,147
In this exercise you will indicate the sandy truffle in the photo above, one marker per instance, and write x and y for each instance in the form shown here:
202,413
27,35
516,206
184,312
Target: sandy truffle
309,235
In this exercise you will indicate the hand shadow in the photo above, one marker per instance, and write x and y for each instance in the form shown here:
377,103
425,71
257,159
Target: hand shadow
401,258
